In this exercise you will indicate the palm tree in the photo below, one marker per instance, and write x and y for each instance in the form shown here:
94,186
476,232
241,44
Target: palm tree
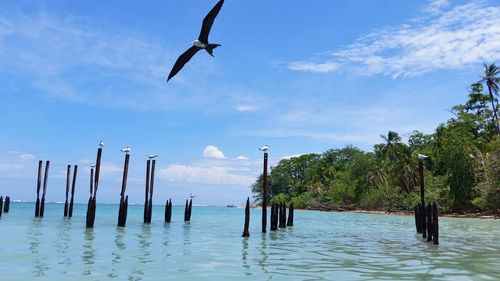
492,80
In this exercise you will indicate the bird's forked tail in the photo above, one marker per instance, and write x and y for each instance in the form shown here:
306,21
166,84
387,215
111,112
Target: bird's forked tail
210,48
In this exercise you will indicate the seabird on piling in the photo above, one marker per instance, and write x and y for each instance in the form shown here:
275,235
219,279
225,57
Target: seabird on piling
151,156
101,144
126,149
192,195
265,148
200,43
422,157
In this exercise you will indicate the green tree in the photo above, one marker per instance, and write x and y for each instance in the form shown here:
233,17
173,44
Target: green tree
492,81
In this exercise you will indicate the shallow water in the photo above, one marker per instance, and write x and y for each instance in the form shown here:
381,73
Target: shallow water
321,246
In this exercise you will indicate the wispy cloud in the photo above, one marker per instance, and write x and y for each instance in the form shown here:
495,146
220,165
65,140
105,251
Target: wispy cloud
443,37
15,164
204,175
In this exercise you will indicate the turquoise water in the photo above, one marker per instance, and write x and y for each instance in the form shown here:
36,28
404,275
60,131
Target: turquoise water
321,246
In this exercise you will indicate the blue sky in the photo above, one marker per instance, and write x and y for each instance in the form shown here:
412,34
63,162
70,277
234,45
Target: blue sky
301,76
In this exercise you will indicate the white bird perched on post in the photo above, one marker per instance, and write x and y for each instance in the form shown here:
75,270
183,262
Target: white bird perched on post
265,148
126,149
422,157
192,195
92,165
151,156
101,144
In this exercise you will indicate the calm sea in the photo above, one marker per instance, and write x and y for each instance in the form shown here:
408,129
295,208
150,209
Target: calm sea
321,246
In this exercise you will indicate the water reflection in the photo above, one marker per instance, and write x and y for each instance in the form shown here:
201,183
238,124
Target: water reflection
35,235
263,260
186,227
244,256
63,243
88,256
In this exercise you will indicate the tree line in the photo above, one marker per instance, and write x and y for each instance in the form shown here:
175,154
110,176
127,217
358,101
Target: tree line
462,172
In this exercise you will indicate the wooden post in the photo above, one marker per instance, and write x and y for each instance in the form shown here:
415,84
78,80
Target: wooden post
423,224
68,171
417,219
422,197
190,209
151,188
168,211
122,213
91,207
73,186
435,222
146,195
186,210
264,195
246,233
272,227
46,175
6,206
428,211
38,186
290,215
1,205
276,215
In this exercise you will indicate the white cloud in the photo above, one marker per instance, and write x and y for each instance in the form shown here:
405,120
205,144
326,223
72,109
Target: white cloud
323,67
203,175
246,107
15,164
213,152
436,6
241,157
446,39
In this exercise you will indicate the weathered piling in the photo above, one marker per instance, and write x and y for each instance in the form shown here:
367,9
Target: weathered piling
190,209
91,207
417,219
168,211
423,223
290,215
276,216
45,177
38,186
264,195
151,189
186,211
73,186
122,213
146,195
435,223
246,233
1,206
68,172
429,222
272,225
6,206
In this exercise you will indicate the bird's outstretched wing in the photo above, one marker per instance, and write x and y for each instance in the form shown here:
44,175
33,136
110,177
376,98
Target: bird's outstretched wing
182,60
208,21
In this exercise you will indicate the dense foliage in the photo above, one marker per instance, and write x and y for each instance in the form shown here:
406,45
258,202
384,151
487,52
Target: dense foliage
462,172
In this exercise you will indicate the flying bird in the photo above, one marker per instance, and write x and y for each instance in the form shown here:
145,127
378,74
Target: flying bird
200,43
126,149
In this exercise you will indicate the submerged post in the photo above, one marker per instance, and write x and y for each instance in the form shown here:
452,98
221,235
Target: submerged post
146,195
190,209
73,186
435,223
423,223
46,175
168,211
6,206
91,207
265,148
246,233
68,171
186,211
122,213
38,186
272,225
151,188
417,219
1,205
429,222
290,215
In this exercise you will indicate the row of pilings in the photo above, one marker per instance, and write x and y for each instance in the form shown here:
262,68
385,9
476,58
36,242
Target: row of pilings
427,222
278,217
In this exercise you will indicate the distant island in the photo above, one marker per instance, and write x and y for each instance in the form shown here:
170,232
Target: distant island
462,172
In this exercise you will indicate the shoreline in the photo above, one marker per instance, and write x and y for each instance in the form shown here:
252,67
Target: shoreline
477,215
